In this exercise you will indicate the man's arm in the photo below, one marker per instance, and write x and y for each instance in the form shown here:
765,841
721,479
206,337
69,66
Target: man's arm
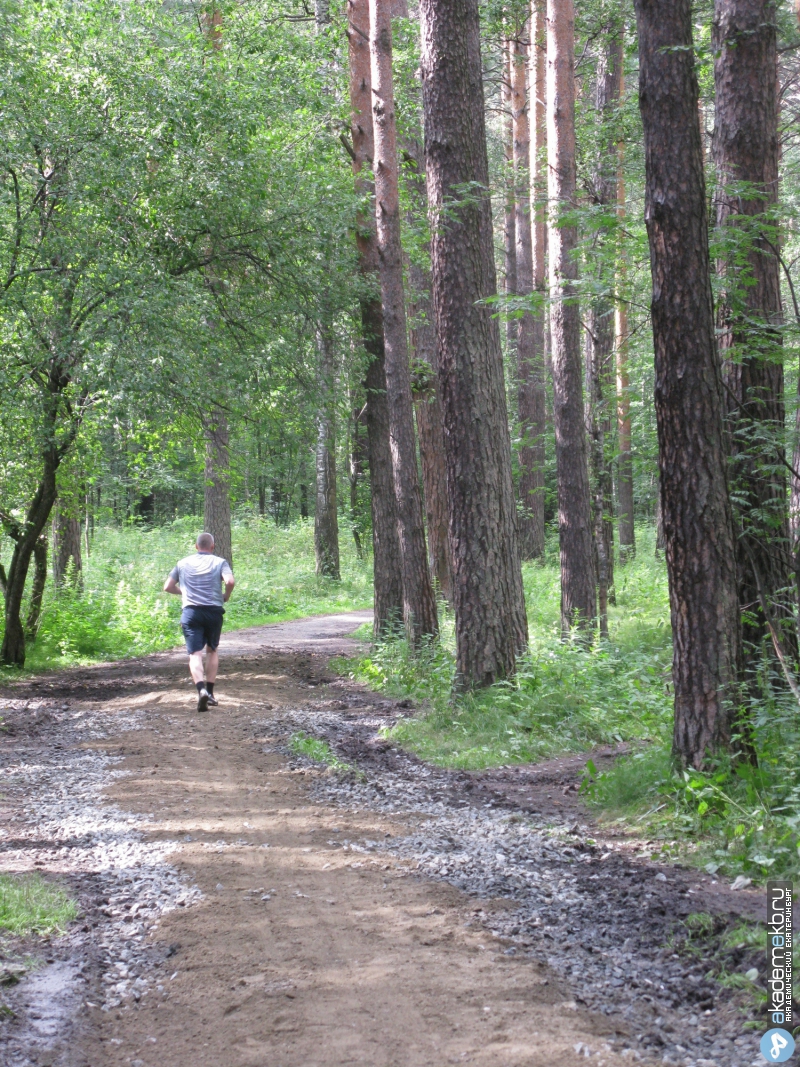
228,579
171,586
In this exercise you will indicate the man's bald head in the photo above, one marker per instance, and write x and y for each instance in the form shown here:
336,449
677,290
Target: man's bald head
205,542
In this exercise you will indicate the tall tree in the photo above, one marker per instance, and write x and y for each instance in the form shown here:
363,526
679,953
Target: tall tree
600,331
37,589
625,525
217,495
530,366
491,623
574,508
698,523
326,512
387,562
326,515
746,149
66,545
214,421
509,204
427,402
419,602
541,328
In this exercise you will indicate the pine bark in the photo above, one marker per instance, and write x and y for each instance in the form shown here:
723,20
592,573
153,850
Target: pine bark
419,602
574,508
530,363
387,563
625,515
491,623
217,497
750,316
541,325
427,403
66,547
698,523
600,347
509,206
326,517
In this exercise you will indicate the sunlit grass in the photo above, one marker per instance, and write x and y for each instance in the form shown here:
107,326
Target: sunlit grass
31,905
119,610
314,748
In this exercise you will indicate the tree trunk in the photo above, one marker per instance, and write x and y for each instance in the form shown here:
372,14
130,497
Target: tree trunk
698,524
509,207
600,349
425,387
599,353
419,602
541,318
530,365
625,525
260,481
574,508
66,547
326,519
750,316
491,624
37,589
387,565
217,499
356,472
26,537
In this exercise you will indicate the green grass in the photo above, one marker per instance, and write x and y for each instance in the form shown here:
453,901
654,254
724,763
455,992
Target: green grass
314,748
565,697
30,905
121,611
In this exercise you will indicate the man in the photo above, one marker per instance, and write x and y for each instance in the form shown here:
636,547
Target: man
199,579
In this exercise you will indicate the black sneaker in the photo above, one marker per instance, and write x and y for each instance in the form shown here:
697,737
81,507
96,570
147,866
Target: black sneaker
212,701
202,700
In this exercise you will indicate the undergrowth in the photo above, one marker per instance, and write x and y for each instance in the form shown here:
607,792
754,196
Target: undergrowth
30,905
730,818
119,609
736,818
564,698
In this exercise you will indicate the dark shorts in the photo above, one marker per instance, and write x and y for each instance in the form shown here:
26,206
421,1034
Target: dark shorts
201,627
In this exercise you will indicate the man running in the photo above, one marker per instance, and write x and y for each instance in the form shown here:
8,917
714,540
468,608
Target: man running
199,579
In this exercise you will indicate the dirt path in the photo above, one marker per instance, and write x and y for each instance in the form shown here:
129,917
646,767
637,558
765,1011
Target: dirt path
243,908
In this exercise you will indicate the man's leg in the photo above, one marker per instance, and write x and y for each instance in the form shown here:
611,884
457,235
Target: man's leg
212,665
196,666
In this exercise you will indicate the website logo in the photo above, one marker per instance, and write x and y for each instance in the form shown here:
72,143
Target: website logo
777,1045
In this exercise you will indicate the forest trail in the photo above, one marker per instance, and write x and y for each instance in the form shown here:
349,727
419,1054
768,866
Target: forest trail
241,908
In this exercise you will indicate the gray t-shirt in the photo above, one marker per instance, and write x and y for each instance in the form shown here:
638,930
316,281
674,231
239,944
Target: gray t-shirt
200,577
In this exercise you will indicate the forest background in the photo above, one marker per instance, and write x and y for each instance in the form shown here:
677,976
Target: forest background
181,312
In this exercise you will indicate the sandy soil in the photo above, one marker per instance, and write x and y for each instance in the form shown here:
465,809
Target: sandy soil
297,954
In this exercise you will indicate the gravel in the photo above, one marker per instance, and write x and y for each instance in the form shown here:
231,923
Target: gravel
122,880
600,919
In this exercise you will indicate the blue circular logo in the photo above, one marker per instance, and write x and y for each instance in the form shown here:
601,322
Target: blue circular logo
777,1045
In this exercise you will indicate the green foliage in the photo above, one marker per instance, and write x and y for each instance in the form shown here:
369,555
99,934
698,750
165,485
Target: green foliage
30,905
119,610
732,818
565,697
